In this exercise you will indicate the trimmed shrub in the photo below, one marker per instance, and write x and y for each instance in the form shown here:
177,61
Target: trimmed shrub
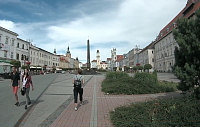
141,83
184,112
116,75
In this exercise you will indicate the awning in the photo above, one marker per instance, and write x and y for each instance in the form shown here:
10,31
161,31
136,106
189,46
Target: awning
5,61
5,64
33,67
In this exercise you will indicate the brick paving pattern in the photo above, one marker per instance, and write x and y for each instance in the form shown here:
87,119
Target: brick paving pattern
105,103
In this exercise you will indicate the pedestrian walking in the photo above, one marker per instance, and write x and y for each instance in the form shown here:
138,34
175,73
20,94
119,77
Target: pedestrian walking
78,82
15,82
26,83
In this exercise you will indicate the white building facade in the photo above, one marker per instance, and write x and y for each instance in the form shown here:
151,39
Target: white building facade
164,53
146,56
34,56
8,44
113,58
109,63
94,64
104,65
22,51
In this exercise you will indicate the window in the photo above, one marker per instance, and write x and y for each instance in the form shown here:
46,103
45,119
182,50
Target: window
17,56
22,57
17,45
174,24
5,54
0,38
6,41
11,55
31,52
13,42
22,46
172,52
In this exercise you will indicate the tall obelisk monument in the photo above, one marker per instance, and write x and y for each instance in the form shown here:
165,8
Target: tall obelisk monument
88,55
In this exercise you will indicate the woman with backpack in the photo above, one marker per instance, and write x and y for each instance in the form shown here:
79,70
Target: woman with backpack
26,82
78,82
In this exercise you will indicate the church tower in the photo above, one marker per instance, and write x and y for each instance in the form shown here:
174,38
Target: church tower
98,59
68,54
54,51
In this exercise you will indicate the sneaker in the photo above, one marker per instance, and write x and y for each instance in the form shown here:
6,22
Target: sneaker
25,106
76,109
29,103
17,104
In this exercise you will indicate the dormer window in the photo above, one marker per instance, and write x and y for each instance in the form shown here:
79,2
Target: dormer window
167,29
174,24
161,34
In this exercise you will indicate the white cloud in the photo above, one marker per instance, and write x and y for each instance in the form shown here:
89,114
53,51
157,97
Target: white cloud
136,22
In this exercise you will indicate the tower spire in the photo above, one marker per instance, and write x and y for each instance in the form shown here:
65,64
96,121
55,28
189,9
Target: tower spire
68,49
54,51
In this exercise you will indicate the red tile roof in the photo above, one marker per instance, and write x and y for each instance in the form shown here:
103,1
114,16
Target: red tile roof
94,61
119,58
169,27
103,63
109,59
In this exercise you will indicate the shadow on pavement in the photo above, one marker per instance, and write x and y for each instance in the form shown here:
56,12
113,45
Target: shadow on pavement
32,102
85,102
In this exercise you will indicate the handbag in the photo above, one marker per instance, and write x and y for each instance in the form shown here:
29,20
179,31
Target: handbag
23,91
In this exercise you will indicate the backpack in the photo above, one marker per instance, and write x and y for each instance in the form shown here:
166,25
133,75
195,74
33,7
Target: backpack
77,83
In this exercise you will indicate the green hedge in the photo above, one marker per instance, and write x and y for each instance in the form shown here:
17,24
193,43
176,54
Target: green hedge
141,83
160,113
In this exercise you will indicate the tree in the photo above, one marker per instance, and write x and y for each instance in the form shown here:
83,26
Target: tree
147,67
135,68
127,69
114,68
187,60
140,67
24,67
16,63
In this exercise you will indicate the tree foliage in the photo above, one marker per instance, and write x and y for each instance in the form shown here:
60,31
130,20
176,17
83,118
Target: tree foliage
140,67
24,67
187,54
16,63
147,67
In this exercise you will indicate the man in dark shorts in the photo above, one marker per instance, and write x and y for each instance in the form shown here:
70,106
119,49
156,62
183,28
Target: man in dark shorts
15,81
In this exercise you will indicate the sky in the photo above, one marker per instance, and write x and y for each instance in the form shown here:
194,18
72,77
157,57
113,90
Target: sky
120,24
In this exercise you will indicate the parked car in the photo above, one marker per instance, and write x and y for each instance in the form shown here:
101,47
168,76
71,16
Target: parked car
63,72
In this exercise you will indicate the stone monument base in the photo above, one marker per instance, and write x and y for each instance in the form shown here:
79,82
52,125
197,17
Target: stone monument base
86,72
89,72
